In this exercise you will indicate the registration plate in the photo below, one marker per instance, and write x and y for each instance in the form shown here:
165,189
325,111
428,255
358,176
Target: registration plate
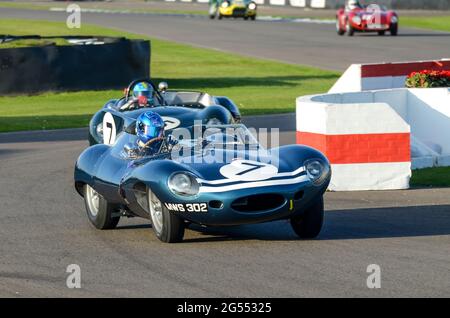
373,26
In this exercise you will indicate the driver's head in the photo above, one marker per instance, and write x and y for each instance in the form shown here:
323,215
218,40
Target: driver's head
149,125
143,89
353,4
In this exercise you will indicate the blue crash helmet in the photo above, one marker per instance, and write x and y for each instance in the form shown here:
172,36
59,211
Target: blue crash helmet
149,125
143,89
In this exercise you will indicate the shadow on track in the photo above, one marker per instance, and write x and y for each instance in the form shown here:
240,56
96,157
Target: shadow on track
229,82
443,34
339,225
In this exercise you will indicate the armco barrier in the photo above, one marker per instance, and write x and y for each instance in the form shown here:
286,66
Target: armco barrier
369,136
93,63
363,77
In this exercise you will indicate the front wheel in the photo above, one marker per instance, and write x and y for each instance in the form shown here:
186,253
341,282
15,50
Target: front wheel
338,28
99,211
393,29
168,227
350,30
309,224
253,17
381,33
212,11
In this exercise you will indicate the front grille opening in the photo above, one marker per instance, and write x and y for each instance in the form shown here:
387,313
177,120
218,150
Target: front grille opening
258,202
216,204
299,195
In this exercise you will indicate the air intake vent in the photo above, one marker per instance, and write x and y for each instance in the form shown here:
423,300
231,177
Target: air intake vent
258,202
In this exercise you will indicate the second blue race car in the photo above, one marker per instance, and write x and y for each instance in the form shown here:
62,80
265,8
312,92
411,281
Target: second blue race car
177,107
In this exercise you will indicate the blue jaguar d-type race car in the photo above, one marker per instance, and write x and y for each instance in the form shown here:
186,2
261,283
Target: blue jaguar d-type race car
178,109
220,176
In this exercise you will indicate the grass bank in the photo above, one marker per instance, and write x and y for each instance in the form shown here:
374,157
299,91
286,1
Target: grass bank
258,86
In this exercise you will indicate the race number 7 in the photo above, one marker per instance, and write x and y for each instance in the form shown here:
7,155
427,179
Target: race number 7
109,129
250,167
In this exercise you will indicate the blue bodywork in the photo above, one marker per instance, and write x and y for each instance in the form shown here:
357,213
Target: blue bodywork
125,181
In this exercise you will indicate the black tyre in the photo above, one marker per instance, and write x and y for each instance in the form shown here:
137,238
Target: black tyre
245,17
212,11
338,28
168,227
220,16
381,33
253,17
350,30
393,29
99,211
309,224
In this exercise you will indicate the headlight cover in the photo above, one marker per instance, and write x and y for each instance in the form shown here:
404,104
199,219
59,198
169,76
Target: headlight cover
317,171
356,19
225,4
183,183
252,6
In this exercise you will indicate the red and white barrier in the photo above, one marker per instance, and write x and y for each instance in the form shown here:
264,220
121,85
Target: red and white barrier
367,144
363,77
369,136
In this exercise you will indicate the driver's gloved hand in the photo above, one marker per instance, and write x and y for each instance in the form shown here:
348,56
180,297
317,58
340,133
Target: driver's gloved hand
171,141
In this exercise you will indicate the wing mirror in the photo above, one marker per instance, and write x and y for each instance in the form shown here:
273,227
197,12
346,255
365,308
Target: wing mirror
163,86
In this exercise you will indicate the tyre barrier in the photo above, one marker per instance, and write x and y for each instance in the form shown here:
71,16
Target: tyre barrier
89,63
373,139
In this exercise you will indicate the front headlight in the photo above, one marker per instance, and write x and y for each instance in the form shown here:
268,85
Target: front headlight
394,19
356,19
183,183
317,171
225,4
252,6
99,130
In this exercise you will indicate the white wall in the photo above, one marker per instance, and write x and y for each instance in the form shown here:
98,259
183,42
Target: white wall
429,115
426,111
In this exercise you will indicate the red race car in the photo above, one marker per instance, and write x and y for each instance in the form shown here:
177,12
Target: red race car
356,17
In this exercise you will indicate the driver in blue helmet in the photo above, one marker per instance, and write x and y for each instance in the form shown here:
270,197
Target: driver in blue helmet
150,136
143,96
150,132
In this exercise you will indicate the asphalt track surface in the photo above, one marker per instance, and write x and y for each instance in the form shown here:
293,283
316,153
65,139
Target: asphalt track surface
43,229
300,43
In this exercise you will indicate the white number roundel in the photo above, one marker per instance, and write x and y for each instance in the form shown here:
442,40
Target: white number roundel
248,170
171,123
109,129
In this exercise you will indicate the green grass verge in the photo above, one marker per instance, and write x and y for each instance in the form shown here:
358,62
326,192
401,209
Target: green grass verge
257,86
29,5
437,23
100,6
432,177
